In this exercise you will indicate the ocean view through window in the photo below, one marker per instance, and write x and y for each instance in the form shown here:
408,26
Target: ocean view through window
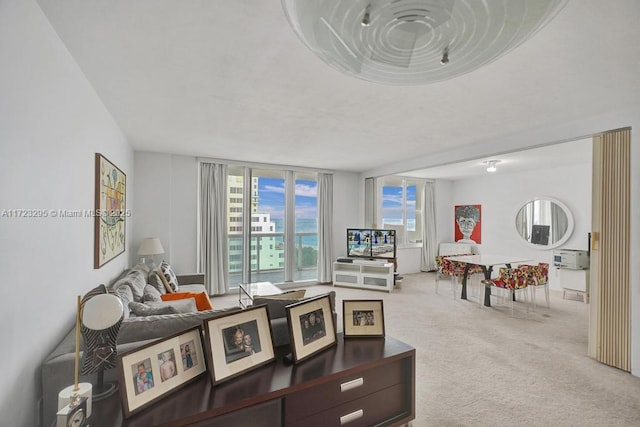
400,205
265,231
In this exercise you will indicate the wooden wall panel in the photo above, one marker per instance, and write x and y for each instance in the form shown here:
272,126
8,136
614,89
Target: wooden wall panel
611,245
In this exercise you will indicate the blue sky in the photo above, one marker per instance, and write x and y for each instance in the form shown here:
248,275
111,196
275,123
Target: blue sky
392,202
271,197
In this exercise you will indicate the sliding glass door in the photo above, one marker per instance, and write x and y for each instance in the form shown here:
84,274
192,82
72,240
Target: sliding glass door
272,217
306,227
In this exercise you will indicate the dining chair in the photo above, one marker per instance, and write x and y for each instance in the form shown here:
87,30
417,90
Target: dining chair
512,281
475,271
446,268
537,277
455,271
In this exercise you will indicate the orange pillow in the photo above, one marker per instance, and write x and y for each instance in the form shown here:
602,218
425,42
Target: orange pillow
202,299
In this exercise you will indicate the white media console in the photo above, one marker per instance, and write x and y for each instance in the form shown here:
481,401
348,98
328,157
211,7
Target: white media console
365,274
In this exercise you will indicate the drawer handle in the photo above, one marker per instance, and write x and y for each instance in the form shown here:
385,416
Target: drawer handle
351,384
351,417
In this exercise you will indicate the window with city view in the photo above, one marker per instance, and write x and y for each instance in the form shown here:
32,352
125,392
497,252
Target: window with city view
263,198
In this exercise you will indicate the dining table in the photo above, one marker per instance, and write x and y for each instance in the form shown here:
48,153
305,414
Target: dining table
487,262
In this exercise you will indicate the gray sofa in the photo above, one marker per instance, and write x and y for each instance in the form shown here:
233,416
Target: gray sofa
134,286
136,330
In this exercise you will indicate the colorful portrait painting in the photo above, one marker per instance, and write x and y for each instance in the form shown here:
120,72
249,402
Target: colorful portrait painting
467,223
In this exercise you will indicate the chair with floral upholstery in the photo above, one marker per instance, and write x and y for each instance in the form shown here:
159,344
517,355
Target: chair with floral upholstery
455,270
447,268
537,276
513,281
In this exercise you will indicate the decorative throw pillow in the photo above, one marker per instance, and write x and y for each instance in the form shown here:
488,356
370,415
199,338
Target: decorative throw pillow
135,281
168,277
181,306
140,309
126,296
202,299
151,294
156,281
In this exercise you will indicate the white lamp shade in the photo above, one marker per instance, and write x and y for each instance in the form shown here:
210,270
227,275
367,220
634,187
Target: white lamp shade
102,311
150,246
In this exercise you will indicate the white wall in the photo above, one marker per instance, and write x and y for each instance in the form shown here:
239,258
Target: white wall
578,129
166,199
348,208
51,125
502,195
166,196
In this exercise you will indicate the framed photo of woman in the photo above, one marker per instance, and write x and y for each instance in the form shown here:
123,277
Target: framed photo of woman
238,342
311,327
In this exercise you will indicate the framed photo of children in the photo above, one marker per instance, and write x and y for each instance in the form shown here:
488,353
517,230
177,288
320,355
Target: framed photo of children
311,327
362,318
155,370
238,342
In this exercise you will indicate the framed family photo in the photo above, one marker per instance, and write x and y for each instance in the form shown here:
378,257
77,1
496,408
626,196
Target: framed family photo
363,318
311,327
110,211
155,370
238,342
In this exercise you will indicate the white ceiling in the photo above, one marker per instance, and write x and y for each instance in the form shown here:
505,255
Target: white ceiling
548,157
230,80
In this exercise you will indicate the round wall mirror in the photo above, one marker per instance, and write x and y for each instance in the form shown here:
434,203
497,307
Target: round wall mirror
544,223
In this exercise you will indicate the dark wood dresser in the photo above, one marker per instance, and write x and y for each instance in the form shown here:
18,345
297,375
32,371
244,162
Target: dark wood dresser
359,382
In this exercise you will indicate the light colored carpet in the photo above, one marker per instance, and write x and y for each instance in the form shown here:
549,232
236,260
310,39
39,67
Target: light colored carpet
481,367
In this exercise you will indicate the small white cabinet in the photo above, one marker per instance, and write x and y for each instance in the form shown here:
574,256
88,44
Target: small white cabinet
575,281
376,275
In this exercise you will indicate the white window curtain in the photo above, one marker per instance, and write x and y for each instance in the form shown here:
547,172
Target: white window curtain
325,228
214,258
429,240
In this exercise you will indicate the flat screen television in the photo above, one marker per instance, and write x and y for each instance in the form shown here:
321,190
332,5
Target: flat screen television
371,243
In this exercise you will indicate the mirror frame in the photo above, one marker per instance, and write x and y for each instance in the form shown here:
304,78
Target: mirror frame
567,234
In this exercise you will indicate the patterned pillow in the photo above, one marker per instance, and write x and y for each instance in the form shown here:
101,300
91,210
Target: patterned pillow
168,277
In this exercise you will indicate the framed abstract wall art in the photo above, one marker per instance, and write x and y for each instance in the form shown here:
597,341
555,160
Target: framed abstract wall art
467,227
110,211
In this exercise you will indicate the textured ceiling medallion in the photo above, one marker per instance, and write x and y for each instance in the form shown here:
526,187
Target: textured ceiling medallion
412,42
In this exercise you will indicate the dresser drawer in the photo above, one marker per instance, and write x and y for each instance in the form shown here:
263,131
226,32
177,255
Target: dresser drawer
379,408
266,414
349,387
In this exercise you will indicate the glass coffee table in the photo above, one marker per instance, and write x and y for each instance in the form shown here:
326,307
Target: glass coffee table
248,291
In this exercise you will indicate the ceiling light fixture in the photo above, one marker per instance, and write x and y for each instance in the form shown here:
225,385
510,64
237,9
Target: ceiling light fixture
409,40
491,165
445,56
366,19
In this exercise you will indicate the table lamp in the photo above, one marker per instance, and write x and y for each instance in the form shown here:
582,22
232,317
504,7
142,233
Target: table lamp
149,247
72,394
102,315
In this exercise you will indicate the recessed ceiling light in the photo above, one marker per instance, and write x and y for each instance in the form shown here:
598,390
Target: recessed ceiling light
491,165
